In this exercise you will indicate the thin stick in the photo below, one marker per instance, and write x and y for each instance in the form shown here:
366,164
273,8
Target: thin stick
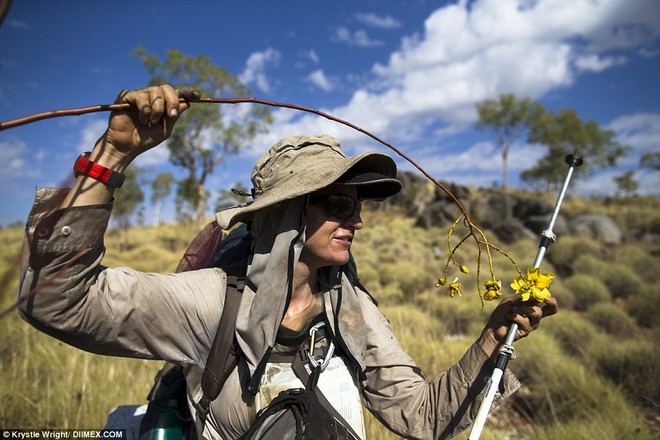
12,123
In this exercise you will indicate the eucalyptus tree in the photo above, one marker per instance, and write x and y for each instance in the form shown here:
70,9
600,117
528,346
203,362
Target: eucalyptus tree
564,133
206,133
507,118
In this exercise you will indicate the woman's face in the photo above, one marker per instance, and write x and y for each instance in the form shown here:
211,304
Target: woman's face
329,238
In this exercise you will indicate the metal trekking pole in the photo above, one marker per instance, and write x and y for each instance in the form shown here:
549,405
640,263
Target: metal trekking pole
506,351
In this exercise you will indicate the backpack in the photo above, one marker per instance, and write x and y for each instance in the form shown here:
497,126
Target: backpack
296,414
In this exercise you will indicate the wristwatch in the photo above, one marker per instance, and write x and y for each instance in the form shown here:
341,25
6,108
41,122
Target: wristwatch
86,167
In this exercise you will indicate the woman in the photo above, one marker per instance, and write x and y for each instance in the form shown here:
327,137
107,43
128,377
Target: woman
304,216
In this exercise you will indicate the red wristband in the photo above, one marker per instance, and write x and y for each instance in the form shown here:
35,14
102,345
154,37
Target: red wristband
86,167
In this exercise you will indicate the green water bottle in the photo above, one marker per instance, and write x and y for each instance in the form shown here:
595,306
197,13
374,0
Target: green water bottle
169,425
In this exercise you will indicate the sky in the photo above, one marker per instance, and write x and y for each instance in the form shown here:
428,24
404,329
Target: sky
411,72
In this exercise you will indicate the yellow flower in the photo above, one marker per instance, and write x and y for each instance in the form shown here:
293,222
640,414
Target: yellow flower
455,288
540,280
493,290
464,268
533,285
441,282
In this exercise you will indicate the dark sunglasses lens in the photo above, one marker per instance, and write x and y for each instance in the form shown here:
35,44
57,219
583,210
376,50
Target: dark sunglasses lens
342,207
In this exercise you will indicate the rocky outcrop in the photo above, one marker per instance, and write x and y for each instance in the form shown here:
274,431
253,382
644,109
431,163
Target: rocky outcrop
509,216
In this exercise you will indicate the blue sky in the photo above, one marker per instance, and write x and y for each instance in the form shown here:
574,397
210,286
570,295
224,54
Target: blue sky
409,71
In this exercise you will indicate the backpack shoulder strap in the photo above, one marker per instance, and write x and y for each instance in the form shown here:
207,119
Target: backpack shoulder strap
223,356
306,378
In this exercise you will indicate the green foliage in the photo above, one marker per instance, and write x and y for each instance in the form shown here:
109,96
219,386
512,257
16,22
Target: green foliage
626,184
128,197
589,264
161,186
507,118
588,290
650,160
408,276
564,133
636,216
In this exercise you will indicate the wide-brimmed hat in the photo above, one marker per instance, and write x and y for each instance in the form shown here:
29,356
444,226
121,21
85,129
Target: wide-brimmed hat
299,165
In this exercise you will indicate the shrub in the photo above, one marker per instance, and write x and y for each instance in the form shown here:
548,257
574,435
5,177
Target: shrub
589,264
632,365
560,387
620,278
588,290
645,265
612,319
622,281
573,333
645,307
567,249
565,298
408,275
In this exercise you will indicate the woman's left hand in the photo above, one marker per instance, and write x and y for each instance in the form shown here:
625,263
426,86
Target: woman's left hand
527,315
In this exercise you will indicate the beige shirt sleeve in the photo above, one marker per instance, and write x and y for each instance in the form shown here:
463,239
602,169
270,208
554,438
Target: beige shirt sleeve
65,292
397,393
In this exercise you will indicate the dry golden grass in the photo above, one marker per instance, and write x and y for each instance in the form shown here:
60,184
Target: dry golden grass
568,367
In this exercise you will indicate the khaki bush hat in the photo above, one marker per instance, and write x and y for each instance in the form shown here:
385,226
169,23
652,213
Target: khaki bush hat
299,165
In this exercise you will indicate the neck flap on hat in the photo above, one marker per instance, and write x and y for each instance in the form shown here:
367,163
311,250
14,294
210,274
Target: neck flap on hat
278,243
279,234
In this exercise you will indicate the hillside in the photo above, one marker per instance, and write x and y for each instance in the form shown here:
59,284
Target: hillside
588,373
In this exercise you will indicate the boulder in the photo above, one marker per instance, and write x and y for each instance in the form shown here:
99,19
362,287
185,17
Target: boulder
511,231
597,226
539,223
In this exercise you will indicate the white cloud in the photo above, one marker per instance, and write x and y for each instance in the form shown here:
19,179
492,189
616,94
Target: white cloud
378,21
641,132
471,51
90,133
312,56
256,66
12,152
321,81
596,63
358,38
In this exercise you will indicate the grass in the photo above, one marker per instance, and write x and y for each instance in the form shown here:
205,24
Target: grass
588,373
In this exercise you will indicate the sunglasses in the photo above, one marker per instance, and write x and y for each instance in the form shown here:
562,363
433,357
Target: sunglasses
340,206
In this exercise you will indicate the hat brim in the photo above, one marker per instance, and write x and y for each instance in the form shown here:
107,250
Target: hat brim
317,176
372,185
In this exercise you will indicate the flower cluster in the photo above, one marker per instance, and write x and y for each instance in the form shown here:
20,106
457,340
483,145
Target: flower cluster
533,285
454,287
493,290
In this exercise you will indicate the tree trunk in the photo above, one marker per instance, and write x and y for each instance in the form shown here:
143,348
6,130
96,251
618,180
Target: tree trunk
201,204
